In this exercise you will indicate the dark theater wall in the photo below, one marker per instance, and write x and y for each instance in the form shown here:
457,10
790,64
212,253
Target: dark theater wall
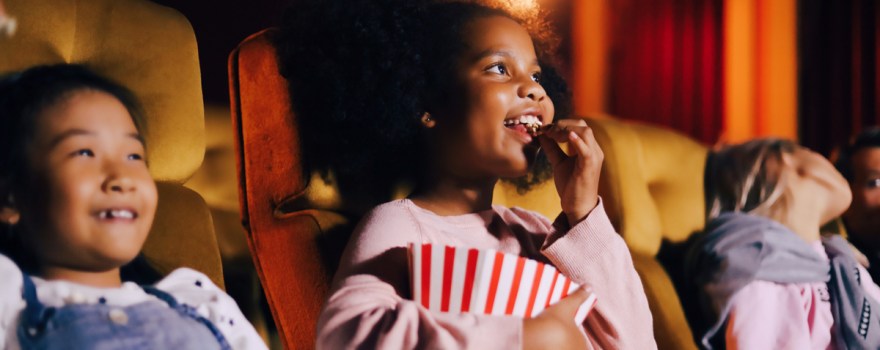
839,79
219,26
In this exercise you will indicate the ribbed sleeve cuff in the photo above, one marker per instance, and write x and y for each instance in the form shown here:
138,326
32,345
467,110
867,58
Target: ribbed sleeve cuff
584,244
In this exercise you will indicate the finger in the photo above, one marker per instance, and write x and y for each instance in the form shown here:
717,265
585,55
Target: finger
574,300
551,149
571,122
560,132
557,133
580,146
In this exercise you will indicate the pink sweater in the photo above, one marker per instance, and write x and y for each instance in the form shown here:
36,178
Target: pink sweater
370,306
768,315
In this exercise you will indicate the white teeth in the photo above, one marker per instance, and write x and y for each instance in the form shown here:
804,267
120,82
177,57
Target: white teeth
116,213
528,120
123,214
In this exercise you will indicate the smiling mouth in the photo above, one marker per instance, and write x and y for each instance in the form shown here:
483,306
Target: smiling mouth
528,124
122,214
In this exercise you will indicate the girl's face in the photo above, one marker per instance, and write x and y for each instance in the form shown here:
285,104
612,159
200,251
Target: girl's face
497,80
90,201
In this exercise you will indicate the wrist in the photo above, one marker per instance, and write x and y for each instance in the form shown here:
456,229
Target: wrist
576,215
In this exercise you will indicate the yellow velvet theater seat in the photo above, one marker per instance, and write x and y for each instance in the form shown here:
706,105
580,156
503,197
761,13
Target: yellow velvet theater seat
151,50
652,185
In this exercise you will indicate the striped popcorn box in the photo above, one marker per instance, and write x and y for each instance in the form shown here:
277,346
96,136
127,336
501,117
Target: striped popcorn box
458,280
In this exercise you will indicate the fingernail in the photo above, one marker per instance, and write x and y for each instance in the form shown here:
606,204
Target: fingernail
585,309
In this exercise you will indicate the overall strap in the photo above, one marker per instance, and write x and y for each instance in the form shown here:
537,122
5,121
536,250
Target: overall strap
35,313
191,312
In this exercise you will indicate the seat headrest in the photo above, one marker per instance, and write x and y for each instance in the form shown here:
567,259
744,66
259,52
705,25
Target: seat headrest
146,47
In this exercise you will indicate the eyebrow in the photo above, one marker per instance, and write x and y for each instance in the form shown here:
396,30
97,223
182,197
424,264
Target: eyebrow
80,132
503,53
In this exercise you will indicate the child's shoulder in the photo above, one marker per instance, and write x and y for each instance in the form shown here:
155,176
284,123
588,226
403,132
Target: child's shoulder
185,278
396,206
397,215
12,279
194,288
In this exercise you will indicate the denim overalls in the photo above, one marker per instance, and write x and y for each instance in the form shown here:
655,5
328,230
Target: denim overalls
145,325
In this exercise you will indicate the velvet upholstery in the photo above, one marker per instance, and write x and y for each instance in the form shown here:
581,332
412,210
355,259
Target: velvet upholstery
151,50
296,223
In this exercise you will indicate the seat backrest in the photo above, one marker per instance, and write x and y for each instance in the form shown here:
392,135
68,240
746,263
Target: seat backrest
297,224
151,50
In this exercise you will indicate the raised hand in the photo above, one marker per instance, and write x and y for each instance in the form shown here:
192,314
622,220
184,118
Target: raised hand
577,175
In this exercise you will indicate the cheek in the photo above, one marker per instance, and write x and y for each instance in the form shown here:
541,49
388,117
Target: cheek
150,197
871,197
496,100
549,110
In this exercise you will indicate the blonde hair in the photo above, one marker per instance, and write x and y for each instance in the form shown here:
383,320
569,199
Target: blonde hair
749,178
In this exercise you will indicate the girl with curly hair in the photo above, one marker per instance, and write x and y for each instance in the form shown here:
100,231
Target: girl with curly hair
451,97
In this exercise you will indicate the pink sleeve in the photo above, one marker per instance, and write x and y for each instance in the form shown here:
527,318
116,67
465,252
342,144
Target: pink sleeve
593,253
368,307
767,315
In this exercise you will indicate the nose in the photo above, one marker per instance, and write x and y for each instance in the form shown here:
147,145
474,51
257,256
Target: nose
532,90
118,179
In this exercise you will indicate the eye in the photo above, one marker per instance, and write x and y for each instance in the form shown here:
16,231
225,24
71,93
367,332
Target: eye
497,68
536,77
873,183
85,152
135,156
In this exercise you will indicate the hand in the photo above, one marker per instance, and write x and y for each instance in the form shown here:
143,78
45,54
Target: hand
556,328
576,176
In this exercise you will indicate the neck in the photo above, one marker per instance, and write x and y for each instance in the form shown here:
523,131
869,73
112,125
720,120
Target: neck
803,220
103,279
450,196
806,230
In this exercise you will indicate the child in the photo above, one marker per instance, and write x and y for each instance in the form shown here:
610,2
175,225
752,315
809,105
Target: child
766,278
76,203
445,92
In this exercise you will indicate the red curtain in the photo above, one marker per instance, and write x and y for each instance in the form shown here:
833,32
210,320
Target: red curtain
665,64
839,75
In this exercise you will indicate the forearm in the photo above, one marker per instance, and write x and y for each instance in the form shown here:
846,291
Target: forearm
592,253
367,313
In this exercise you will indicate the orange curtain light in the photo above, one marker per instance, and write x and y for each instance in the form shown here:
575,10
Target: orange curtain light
760,70
589,56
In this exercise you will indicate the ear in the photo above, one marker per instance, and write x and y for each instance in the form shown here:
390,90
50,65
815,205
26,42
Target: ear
9,215
428,121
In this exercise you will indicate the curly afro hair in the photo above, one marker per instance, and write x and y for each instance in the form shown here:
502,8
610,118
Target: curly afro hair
362,73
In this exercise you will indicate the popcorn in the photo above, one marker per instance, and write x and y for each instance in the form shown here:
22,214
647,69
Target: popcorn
461,280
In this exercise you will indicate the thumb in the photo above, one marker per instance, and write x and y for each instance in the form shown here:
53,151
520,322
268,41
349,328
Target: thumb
579,303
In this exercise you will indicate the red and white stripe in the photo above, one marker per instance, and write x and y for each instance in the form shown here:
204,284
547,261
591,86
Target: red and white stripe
450,279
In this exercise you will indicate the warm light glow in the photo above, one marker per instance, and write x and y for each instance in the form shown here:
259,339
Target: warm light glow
589,56
776,72
739,71
520,8
760,70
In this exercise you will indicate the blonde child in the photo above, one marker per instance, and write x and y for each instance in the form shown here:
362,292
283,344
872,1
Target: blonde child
76,204
766,277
